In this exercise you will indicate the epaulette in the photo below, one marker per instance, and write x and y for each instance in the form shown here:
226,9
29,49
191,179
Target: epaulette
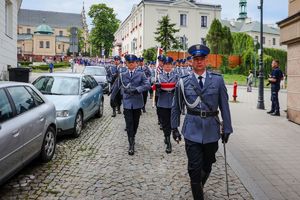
184,76
215,73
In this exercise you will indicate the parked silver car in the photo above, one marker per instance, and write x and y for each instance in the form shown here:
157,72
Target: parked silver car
27,127
77,98
99,73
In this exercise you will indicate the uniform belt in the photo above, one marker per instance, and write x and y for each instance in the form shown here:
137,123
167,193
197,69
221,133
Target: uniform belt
165,91
203,114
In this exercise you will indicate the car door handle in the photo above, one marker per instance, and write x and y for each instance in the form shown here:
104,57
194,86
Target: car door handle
42,118
15,133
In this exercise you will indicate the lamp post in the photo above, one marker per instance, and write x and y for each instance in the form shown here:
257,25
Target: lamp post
260,102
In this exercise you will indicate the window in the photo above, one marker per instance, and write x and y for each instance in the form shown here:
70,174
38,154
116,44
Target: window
47,44
182,19
85,83
22,99
91,81
61,33
274,41
5,107
36,97
41,44
256,38
63,50
58,46
203,41
8,18
264,40
203,21
28,31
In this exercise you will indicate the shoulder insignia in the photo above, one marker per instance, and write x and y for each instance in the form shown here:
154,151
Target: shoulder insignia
215,73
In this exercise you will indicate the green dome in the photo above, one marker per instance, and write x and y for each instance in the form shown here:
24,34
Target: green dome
44,29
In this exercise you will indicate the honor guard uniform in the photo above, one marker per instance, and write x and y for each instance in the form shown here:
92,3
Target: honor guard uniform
165,88
203,93
147,73
161,59
112,75
132,83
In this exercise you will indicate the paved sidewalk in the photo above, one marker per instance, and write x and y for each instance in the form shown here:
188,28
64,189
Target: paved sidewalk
264,150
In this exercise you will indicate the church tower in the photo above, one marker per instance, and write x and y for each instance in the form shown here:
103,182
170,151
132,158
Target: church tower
243,10
85,31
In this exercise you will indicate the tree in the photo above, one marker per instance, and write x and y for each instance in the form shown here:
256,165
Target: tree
165,33
242,42
150,54
215,36
105,25
227,41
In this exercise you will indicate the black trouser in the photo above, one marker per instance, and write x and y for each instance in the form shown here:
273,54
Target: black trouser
132,119
275,101
165,116
156,100
200,160
145,95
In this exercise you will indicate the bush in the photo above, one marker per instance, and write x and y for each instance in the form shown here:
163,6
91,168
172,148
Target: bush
56,65
25,63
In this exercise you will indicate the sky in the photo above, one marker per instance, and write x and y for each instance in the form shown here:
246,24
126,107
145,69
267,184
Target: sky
274,10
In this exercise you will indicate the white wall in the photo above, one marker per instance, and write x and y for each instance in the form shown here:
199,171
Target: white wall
8,45
269,40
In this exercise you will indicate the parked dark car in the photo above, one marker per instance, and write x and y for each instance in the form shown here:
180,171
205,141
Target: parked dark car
27,127
99,73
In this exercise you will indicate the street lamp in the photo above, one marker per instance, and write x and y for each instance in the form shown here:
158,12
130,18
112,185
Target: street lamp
260,102
255,71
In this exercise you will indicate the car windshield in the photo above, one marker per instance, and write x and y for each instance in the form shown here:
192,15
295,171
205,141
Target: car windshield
95,71
57,85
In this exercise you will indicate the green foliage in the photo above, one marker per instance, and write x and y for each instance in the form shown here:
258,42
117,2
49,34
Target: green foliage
56,65
224,64
281,55
165,33
25,63
267,65
150,54
105,25
227,42
215,36
242,42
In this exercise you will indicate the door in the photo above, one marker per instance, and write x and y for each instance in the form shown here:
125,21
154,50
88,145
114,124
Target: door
31,119
86,98
10,138
95,92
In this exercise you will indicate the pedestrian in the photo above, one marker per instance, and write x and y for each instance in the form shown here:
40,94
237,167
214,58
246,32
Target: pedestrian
282,82
274,79
203,93
51,67
249,81
132,83
165,88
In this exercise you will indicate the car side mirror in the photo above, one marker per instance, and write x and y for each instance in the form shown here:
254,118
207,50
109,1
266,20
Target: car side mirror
85,90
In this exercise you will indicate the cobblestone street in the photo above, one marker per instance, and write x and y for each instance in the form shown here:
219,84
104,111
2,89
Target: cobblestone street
97,166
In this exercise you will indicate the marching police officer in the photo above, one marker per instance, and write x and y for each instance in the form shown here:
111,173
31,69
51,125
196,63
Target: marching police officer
161,59
132,83
274,79
165,97
203,92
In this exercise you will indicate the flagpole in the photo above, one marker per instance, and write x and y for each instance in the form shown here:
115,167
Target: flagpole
155,77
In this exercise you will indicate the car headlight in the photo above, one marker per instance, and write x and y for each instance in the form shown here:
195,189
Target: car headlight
62,113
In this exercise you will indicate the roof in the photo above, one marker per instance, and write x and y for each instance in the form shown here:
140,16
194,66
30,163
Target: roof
66,74
12,83
24,37
44,29
53,19
253,26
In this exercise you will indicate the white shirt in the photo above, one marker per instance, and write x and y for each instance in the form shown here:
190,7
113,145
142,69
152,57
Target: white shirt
203,77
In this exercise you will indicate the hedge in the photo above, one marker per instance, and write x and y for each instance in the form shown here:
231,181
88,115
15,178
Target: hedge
56,65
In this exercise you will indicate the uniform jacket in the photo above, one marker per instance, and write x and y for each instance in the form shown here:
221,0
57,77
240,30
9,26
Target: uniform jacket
165,98
112,73
182,71
138,81
276,74
214,93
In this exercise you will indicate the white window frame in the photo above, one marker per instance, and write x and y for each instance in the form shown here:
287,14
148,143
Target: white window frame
183,20
8,18
203,21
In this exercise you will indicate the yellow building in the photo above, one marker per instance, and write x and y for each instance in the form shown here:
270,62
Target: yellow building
43,34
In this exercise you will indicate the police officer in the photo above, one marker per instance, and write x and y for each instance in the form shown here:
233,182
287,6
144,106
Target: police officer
132,83
165,97
203,92
274,79
161,59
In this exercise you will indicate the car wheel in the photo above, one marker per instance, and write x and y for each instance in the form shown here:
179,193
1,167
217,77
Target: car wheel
78,125
99,113
49,143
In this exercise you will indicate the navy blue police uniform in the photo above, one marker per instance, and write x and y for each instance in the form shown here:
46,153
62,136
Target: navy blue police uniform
275,87
132,83
203,95
164,103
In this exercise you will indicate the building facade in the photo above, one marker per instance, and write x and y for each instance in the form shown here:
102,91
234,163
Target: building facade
290,36
47,34
8,35
243,24
136,32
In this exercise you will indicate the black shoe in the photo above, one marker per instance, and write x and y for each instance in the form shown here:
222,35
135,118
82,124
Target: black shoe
275,114
131,146
169,145
114,113
197,191
144,110
119,110
158,123
271,111
160,127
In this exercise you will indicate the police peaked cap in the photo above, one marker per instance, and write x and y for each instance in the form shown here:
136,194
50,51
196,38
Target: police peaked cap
199,50
140,59
189,58
161,58
117,58
168,60
131,58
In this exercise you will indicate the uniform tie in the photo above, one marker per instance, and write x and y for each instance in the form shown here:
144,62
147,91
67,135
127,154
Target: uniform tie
168,75
131,74
200,82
